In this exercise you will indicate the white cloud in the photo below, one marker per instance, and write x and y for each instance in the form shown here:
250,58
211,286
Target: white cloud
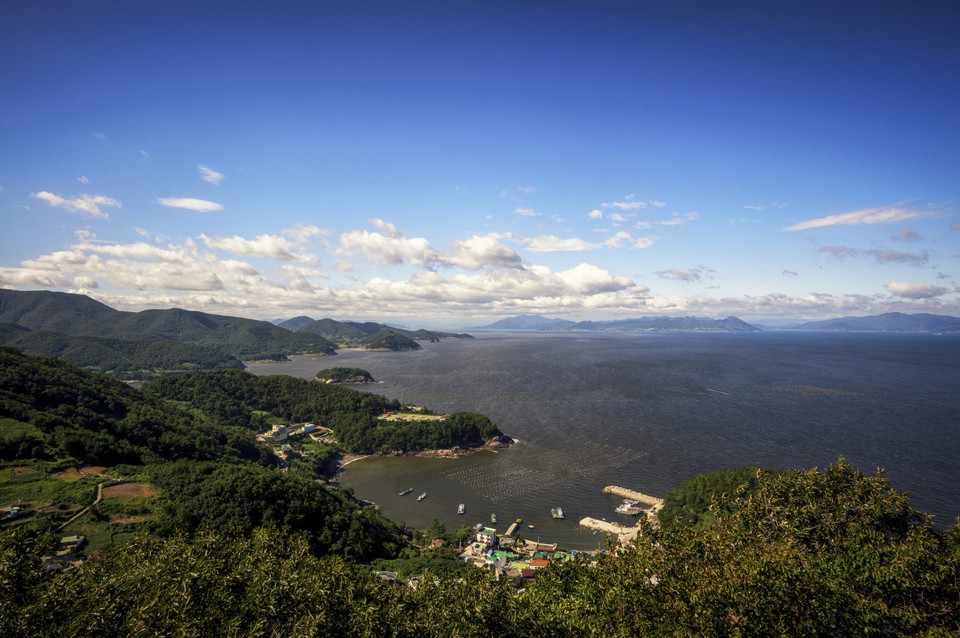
595,214
645,242
842,253
879,215
388,250
624,205
479,252
681,274
914,291
527,189
389,229
301,235
679,220
190,203
658,204
839,252
619,239
526,212
905,234
83,179
209,175
894,256
85,203
263,246
552,243
587,279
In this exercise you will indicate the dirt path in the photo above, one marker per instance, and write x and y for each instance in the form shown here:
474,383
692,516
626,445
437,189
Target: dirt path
85,509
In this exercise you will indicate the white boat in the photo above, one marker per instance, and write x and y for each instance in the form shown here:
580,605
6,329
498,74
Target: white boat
461,509
422,496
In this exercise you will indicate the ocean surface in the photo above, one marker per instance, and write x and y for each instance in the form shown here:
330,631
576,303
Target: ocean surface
646,411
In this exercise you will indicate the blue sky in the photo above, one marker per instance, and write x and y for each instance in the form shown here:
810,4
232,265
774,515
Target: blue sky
452,163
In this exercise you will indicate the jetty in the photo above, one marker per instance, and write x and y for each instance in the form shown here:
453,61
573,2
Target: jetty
513,528
624,534
652,503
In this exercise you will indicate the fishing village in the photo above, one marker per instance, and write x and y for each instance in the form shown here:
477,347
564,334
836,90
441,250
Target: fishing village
515,557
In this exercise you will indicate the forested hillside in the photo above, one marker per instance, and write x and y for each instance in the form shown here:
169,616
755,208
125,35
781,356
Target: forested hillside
119,358
78,315
832,553
239,398
50,411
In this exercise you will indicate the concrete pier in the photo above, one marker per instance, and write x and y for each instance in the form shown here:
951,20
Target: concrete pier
652,503
623,534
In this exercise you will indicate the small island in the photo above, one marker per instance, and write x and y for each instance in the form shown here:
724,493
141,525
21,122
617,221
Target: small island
352,376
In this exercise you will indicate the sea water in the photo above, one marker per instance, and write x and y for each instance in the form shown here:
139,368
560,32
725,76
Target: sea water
646,411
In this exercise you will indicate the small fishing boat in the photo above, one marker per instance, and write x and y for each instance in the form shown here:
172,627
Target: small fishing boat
556,512
530,526
406,491
461,509
422,496
493,518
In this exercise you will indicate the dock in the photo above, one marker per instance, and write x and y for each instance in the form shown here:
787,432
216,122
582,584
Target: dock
513,527
624,534
652,503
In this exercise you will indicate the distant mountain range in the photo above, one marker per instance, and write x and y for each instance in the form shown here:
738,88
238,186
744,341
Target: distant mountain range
641,324
367,335
889,322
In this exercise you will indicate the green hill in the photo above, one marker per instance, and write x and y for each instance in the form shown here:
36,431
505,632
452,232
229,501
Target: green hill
120,358
363,334
52,411
78,315
389,339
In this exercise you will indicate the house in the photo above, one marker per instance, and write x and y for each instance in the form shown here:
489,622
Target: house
487,536
538,563
72,542
280,433
437,543
308,428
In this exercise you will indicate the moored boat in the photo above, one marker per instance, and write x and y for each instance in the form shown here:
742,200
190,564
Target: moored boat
493,518
461,509
628,509
406,491
556,512
422,496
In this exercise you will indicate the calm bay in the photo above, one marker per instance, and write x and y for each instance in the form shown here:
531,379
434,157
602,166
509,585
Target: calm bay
647,411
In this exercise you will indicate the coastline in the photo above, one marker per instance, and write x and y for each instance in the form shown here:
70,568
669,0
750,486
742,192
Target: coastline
447,453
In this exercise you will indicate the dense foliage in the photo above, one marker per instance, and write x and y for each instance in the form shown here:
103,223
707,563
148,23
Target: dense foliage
342,375
690,502
51,410
389,339
461,429
120,358
831,553
357,333
239,398
242,497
